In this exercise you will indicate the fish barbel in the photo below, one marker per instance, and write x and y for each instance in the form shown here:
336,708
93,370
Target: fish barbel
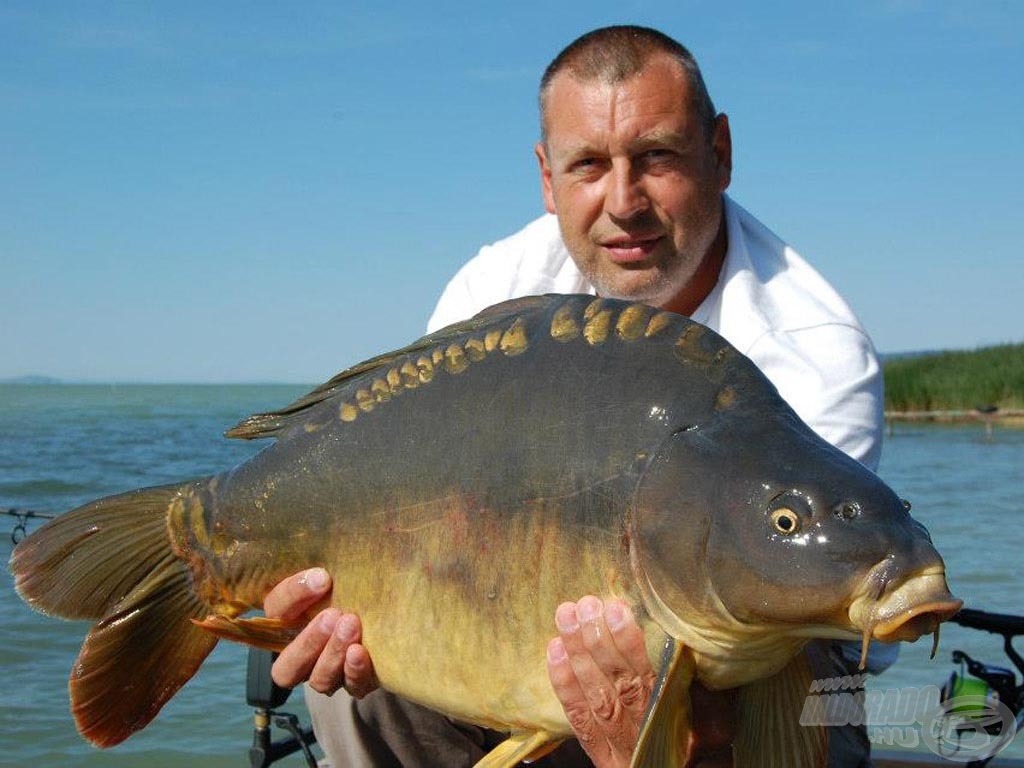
462,487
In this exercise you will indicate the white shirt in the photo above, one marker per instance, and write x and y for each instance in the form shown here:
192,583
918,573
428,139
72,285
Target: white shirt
768,303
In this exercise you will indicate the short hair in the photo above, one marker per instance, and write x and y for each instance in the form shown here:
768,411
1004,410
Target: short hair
613,54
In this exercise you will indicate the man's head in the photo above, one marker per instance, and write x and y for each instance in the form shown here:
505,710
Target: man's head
614,54
633,160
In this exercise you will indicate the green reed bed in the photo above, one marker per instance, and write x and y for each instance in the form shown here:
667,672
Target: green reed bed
947,381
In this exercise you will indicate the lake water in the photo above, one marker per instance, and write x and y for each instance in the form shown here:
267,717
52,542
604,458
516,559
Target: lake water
63,445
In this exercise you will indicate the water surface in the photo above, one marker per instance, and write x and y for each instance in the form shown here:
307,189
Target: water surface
63,445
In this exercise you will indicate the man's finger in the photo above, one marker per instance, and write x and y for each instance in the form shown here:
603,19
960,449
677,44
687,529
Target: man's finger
344,661
597,637
629,638
294,596
610,659
360,677
575,703
592,682
582,627
295,663
328,673
636,680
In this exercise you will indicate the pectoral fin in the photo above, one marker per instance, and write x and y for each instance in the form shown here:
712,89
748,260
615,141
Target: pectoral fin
769,733
520,746
666,729
270,634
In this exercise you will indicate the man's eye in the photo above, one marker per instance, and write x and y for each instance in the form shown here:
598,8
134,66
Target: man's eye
586,166
657,155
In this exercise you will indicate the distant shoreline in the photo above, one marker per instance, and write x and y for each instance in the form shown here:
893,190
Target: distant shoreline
47,382
1010,417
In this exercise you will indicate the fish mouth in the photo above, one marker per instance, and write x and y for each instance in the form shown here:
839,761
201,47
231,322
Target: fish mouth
915,607
918,621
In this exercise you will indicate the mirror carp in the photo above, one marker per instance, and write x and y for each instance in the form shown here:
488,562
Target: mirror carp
461,488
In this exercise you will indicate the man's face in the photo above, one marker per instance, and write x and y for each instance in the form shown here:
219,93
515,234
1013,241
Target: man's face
636,184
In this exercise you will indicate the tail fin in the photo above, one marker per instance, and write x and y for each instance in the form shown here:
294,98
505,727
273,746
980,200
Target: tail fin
111,560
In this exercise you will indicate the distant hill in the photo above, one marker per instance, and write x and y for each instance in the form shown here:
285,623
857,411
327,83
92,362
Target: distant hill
964,380
31,380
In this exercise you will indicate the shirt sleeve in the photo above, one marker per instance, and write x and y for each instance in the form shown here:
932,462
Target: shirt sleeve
490,277
831,377
532,260
456,302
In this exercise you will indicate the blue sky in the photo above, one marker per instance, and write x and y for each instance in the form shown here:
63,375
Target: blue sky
272,192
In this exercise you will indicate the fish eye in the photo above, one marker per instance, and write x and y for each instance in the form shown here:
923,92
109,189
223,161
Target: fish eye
785,521
906,505
788,512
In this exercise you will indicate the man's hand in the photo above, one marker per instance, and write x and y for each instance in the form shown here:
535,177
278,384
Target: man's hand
599,669
327,654
600,672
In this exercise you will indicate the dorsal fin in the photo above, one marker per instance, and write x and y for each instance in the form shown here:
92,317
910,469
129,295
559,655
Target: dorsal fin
271,423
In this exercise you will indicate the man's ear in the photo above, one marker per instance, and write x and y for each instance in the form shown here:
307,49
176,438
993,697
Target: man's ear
545,177
721,143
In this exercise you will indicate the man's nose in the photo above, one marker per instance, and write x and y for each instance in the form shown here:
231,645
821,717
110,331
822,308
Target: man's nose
626,195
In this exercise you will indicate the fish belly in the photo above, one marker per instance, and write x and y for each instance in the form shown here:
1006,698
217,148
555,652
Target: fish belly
458,605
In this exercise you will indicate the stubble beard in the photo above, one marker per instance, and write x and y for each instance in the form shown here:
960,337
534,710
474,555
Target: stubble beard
657,283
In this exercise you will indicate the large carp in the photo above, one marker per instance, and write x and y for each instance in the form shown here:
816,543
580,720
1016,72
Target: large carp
460,488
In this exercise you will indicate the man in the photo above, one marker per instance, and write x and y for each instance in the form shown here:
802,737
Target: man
634,164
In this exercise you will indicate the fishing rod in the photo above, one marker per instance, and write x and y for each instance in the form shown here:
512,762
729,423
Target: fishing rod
23,516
